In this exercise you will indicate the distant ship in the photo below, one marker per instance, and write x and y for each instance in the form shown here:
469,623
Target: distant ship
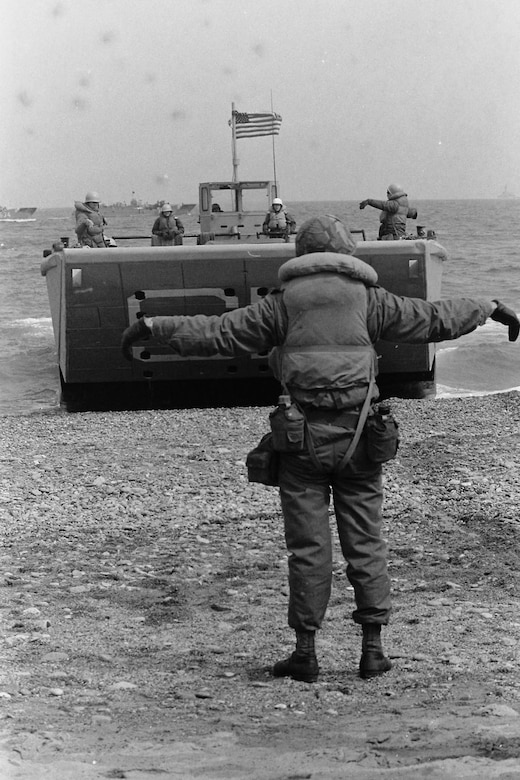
184,208
24,214
122,209
506,195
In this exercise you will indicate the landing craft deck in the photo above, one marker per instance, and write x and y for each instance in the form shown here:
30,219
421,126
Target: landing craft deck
95,294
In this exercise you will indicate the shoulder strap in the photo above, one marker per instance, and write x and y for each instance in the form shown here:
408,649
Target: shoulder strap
355,439
361,424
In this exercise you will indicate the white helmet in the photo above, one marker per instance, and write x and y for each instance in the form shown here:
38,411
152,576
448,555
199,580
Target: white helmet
92,197
165,207
277,202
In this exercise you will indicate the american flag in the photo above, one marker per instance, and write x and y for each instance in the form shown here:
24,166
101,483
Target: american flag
254,125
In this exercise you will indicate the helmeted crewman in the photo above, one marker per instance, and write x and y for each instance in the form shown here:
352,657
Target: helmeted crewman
167,230
321,326
90,223
395,210
278,220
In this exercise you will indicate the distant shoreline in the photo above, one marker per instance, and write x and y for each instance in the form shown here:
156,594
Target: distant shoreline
329,200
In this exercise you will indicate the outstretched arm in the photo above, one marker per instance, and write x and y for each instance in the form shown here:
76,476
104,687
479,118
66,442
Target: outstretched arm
415,321
383,205
254,328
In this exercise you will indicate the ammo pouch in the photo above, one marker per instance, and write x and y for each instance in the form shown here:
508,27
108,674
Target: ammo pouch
288,428
382,436
262,462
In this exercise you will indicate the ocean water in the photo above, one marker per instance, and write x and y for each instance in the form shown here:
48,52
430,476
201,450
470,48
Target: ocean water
481,237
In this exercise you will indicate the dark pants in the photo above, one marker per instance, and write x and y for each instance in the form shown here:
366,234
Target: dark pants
357,496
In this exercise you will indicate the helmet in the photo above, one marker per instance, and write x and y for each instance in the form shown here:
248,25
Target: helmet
92,197
324,234
165,207
395,191
277,202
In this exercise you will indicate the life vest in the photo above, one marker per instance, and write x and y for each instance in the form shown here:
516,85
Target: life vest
94,239
327,358
166,223
394,224
277,220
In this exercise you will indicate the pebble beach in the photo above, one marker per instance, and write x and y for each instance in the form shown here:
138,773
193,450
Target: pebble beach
143,590
114,467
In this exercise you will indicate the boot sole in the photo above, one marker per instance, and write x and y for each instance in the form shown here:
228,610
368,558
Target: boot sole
307,678
285,671
367,674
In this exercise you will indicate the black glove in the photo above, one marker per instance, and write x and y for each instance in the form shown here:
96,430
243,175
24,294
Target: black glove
363,204
507,317
139,330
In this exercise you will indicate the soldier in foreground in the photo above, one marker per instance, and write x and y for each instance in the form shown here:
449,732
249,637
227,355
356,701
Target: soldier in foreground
321,325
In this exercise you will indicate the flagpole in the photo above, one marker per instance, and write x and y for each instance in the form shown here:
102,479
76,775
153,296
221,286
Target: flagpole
234,143
274,156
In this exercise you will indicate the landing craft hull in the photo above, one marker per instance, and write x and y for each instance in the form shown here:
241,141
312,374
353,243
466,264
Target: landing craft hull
95,294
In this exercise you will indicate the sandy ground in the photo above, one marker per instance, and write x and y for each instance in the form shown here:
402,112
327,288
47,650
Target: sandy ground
143,600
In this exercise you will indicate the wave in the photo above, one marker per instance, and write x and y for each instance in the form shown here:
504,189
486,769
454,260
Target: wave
478,366
442,391
32,321
30,327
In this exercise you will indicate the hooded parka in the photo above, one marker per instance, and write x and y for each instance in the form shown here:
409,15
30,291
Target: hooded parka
395,210
393,218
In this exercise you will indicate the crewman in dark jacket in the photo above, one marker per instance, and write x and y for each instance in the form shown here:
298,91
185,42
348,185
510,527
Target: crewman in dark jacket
395,211
167,230
321,326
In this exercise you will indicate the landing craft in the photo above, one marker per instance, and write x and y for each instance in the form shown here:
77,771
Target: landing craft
94,294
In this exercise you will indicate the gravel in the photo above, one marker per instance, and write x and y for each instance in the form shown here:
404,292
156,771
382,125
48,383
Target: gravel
142,575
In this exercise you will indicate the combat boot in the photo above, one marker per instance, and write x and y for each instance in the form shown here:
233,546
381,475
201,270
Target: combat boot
301,665
373,660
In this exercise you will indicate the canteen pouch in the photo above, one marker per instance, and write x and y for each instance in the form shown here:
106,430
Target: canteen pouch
382,437
288,429
262,462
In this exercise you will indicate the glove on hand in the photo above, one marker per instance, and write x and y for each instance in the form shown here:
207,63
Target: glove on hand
139,330
507,317
363,204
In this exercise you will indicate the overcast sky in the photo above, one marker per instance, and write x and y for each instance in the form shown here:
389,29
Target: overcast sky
127,96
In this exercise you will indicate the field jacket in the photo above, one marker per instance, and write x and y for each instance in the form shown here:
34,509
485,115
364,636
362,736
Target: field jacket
167,227
319,343
393,218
